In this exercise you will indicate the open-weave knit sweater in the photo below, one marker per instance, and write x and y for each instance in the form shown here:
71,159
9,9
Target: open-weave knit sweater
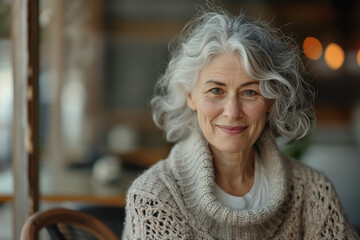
174,199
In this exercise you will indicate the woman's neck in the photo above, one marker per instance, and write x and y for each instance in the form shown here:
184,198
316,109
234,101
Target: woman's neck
234,172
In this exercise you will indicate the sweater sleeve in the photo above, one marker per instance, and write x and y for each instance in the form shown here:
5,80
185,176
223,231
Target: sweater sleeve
324,217
147,217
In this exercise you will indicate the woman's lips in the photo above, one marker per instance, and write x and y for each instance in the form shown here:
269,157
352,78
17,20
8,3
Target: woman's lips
232,130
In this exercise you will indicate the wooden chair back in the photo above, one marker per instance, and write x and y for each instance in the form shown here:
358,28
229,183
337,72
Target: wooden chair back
39,220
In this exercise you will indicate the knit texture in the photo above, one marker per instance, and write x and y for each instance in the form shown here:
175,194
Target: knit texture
174,199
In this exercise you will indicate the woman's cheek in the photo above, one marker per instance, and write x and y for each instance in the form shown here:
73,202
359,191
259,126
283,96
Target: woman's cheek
210,108
255,109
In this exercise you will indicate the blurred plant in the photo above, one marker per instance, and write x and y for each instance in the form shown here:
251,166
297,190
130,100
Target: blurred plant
5,19
296,149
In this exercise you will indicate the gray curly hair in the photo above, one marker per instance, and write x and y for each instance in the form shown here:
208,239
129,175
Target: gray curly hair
268,56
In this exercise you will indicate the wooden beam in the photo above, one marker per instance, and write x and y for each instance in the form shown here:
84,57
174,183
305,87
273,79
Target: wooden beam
33,104
24,34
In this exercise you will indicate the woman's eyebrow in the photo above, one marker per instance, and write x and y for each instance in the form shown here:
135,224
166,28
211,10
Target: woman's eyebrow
215,82
250,83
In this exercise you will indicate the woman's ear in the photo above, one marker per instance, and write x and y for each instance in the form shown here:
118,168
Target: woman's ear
191,102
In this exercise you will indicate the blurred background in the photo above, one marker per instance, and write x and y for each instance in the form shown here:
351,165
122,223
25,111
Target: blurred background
99,61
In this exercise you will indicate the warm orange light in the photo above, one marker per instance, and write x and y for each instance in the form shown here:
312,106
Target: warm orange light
312,48
358,57
334,56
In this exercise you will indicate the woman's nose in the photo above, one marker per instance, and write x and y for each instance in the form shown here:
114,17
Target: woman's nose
232,109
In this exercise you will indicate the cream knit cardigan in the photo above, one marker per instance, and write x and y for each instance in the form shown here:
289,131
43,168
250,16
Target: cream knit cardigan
174,200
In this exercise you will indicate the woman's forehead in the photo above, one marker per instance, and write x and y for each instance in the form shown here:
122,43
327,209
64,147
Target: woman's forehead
224,67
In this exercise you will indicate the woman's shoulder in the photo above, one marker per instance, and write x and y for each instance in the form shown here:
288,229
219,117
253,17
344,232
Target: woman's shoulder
154,207
307,176
321,210
151,180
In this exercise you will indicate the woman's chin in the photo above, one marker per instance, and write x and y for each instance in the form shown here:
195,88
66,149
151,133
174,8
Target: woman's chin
231,147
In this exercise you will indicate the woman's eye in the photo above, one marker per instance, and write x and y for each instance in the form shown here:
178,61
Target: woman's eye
250,93
216,91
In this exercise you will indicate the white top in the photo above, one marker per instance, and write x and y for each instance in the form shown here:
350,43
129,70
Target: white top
255,198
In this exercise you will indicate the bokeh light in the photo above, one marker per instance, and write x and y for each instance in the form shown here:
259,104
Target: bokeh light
358,57
312,48
334,56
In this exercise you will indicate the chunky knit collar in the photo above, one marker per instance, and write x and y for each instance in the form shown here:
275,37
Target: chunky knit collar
192,166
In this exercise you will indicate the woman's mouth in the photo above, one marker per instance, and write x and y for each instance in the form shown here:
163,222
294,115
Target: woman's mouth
232,130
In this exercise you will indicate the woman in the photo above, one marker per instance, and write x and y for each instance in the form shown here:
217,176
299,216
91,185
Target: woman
231,87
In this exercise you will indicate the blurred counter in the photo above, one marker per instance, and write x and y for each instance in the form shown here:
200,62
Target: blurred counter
74,185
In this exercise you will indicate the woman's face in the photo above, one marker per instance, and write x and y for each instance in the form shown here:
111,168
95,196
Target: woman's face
230,109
